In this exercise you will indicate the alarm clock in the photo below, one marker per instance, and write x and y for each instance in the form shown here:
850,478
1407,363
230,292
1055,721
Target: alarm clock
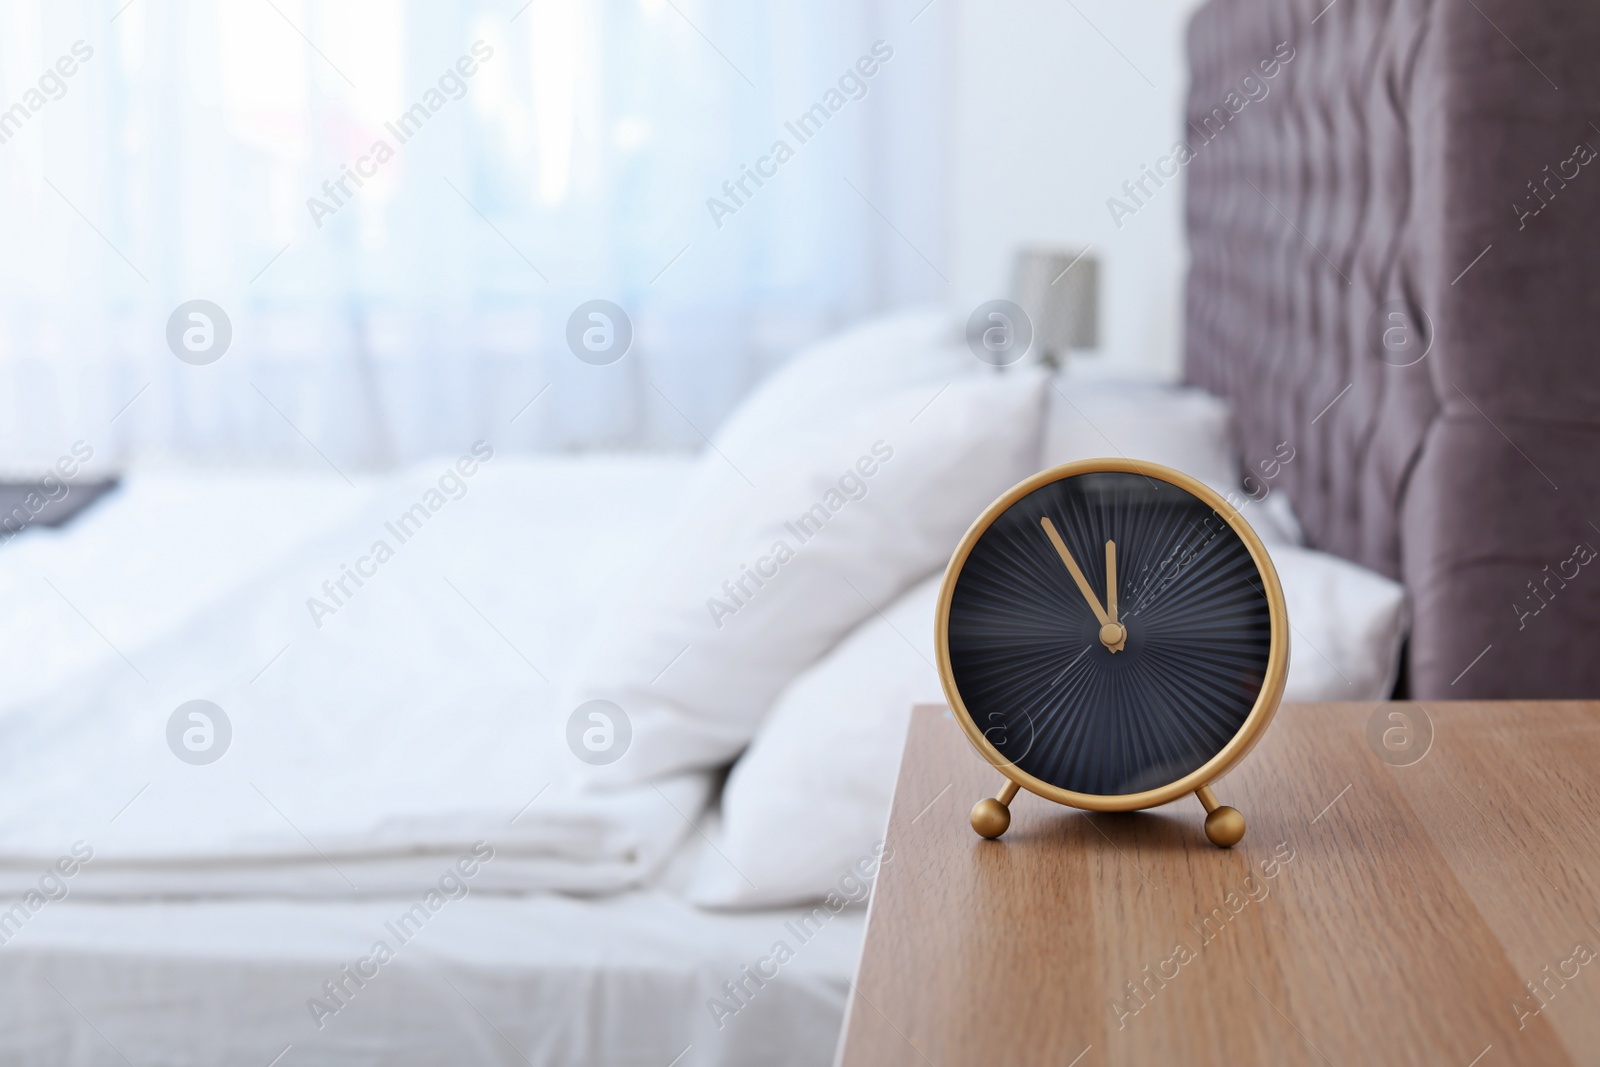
1111,635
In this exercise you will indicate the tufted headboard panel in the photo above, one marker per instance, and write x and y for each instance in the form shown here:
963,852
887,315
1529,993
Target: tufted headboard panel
1386,278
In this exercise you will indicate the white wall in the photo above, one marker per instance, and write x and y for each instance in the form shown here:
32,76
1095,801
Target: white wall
1049,122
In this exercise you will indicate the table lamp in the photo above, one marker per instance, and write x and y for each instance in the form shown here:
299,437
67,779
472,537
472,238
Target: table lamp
1059,288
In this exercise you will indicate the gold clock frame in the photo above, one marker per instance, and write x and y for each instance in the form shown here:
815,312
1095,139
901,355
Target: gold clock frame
1224,825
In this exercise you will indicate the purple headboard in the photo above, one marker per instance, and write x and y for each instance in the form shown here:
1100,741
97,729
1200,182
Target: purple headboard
1395,268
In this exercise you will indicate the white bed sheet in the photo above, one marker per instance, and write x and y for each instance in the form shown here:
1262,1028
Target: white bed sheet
142,559
549,980
373,741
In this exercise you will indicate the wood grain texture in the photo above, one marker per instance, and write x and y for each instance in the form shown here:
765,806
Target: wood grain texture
1372,914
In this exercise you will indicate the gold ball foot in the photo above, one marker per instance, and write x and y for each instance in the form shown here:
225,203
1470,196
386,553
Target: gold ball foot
990,818
1224,826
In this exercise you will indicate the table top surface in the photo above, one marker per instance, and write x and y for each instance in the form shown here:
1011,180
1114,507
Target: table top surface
1382,908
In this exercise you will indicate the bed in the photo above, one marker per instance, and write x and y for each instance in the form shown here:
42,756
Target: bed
186,965
1408,160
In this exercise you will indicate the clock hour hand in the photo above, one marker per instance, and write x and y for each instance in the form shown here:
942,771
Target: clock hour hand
1112,634
1121,636
1111,581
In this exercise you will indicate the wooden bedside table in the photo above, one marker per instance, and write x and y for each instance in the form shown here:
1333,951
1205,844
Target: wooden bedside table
1445,912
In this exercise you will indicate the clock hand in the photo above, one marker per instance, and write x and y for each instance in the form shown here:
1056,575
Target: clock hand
1121,636
1077,574
1112,633
1111,581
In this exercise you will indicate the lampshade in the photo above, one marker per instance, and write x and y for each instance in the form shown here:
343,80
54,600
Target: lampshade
1059,288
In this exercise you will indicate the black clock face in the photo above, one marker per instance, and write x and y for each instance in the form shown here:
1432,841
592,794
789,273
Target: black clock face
1126,707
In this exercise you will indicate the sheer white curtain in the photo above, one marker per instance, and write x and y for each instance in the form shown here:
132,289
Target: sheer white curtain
386,302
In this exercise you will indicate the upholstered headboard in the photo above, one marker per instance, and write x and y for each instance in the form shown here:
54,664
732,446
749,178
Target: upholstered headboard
1394,226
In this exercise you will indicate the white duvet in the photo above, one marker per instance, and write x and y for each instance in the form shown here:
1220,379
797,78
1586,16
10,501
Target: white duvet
379,729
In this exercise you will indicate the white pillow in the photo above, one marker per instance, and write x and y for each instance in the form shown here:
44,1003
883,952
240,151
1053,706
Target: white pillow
1347,624
1186,429
812,792
859,366
811,795
781,557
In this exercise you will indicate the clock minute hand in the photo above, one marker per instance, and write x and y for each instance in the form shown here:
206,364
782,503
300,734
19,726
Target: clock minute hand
1077,573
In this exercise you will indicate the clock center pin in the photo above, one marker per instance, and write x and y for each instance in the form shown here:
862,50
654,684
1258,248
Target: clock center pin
1112,635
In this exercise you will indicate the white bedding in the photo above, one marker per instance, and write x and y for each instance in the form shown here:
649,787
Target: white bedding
543,979
142,559
490,978
395,725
